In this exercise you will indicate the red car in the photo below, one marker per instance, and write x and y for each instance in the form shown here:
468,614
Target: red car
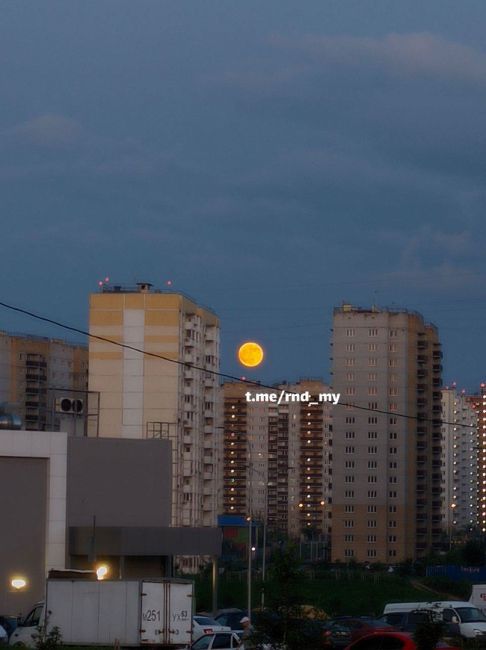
390,641
359,626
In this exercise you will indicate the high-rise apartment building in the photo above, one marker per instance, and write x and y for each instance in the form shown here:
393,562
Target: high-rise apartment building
277,457
35,371
459,462
478,404
386,435
174,397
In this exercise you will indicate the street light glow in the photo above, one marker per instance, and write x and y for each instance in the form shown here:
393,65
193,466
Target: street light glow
18,583
102,571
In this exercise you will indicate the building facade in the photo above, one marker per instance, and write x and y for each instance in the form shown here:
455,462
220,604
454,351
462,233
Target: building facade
478,404
277,457
36,373
459,462
166,391
386,449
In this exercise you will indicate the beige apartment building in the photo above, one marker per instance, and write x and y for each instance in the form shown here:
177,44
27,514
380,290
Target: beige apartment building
386,435
36,373
277,457
174,397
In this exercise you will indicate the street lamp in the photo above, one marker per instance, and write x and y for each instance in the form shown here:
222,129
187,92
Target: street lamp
18,583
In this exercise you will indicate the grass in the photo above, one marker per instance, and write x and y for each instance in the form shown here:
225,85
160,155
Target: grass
350,592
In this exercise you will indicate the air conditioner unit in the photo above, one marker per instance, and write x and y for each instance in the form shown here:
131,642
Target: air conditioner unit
70,405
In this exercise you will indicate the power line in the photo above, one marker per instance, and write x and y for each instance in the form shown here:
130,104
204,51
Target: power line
215,373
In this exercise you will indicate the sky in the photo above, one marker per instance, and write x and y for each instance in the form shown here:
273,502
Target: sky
271,159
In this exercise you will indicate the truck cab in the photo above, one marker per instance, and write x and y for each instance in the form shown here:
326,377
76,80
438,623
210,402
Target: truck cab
26,631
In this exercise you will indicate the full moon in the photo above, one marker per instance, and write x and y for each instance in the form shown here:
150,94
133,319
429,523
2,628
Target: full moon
250,354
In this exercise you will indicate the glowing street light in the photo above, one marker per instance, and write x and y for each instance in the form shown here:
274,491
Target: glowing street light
18,583
102,571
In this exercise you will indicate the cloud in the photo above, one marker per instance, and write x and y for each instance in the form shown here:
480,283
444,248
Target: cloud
415,54
49,130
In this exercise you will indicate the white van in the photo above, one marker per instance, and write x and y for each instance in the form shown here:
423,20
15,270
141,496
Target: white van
478,597
471,620
26,631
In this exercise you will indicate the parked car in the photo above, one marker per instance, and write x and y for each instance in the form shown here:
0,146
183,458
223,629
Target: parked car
206,625
219,640
335,635
409,621
231,617
3,636
391,641
358,626
9,623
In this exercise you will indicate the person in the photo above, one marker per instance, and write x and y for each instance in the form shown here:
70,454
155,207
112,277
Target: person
245,640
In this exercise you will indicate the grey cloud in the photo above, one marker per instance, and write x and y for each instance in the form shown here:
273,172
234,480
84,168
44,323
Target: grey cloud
406,54
49,130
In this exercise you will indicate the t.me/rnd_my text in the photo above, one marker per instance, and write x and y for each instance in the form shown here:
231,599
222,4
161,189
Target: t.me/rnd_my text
287,397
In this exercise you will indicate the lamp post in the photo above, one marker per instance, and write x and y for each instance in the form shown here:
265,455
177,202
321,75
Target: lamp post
451,523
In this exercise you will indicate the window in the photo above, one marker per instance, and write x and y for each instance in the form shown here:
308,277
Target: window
349,538
393,435
371,538
371,508
372,435
393,450
371,523
393,479
372,405
393,334
393,420
372,478
349,362
372,390
350,331
349,450
392,494
373,420
372,494
372,347
371,553
373,362
350,347
348,552
392,538
392,523
349,494
350,419
392,508
393,363
349,464
393,391
393,406
349,478
349,435
372,376
348,508
349,523
350,376
372,464
392,552
221,641
350,390
373,332
372,450
393,464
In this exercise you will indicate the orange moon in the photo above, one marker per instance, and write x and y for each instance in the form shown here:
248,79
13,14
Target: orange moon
250,354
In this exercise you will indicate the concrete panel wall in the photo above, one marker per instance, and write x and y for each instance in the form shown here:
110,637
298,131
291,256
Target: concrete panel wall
121,482
23,505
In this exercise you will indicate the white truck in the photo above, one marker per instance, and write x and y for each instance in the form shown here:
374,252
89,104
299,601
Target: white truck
109,612
470,619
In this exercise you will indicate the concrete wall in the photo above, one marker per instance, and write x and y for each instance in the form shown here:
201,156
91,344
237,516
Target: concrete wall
120,482
23,507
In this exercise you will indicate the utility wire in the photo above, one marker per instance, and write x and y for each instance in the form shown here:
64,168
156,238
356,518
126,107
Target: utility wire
216,373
